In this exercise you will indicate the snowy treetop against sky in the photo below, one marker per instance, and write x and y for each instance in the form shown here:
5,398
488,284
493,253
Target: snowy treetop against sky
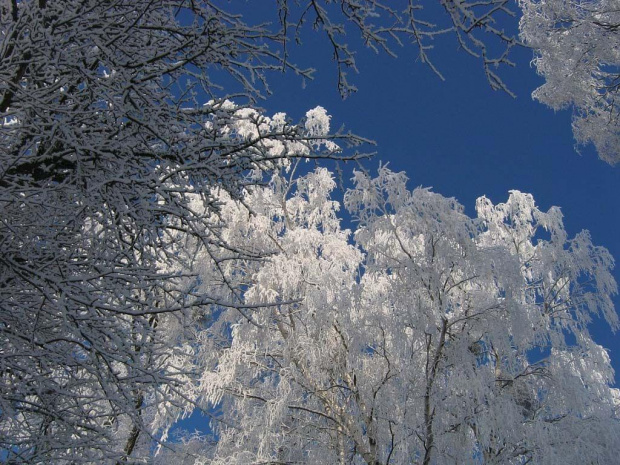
162,249
433,337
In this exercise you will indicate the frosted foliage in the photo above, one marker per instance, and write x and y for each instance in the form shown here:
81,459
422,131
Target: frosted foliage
577,51
112,169
159,252
317,122
425,337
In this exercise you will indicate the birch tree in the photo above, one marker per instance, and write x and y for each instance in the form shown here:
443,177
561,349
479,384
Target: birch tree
426,336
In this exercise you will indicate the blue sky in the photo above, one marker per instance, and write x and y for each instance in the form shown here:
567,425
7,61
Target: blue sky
462,138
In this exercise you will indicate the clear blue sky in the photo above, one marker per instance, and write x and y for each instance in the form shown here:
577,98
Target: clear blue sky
462,138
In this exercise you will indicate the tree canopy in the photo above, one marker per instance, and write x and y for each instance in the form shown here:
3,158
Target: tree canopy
424,336
161,250
577,51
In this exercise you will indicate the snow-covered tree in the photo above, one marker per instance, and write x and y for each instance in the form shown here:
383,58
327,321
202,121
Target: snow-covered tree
577,50
113,118
425,337
103,136
120,154
96,311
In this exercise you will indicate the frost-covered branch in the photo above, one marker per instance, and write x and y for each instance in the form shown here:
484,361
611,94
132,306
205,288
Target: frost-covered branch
428,338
